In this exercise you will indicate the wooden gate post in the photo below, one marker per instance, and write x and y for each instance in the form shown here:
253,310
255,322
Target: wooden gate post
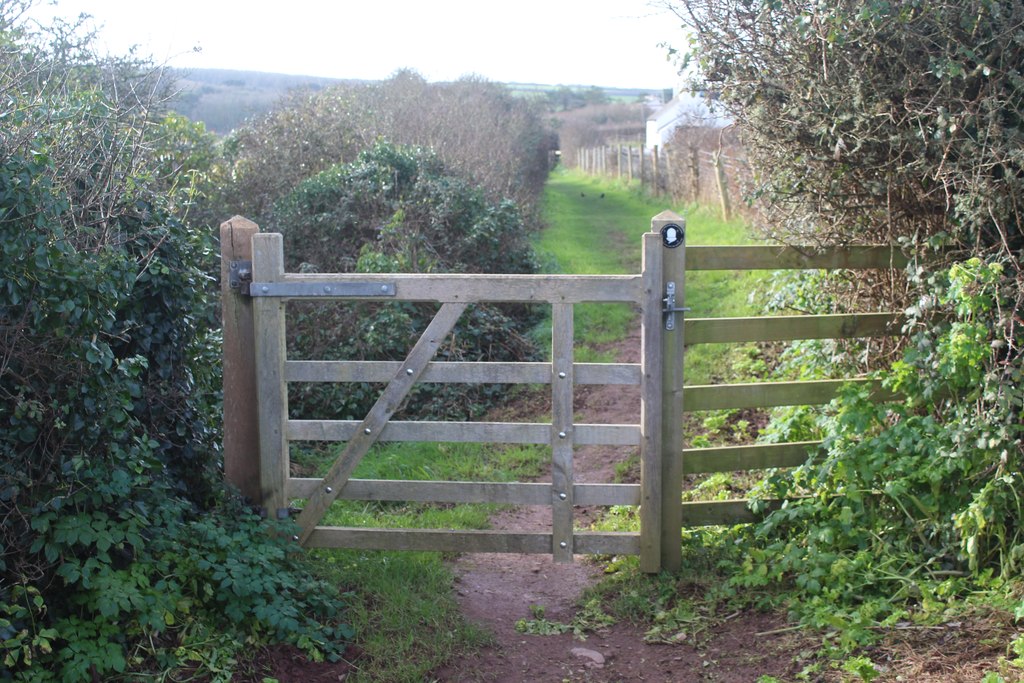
661,464
241,422
268,267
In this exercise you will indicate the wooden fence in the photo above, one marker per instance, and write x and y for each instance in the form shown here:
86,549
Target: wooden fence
691,171
258,429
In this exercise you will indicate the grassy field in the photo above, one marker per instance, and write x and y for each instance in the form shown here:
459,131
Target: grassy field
407,620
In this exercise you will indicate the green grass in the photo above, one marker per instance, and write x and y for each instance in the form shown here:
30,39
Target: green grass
588,234
402,606
403,610
426,462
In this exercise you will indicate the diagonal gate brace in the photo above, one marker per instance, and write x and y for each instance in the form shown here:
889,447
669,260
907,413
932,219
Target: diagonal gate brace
372,426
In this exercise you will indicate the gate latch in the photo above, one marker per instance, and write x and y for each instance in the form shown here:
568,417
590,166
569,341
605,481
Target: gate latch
240,276
670,308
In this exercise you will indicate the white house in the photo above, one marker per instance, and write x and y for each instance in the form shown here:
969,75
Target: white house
683,110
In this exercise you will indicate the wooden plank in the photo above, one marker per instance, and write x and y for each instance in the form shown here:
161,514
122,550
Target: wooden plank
724,512
562,431
241,409
606,435
768,394
471,288
377,418
672,401
440,540
607,543
785,328
443,540
506,493
469,372
443,432
464,432
606,494
809,257
650,406
750,457
269,339
607,373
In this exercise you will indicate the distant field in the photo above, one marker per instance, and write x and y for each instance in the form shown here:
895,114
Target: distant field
223,99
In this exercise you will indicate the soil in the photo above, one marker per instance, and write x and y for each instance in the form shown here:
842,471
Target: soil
496,591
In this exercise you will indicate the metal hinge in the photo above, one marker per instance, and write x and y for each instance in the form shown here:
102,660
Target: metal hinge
670,308
320,290
240,276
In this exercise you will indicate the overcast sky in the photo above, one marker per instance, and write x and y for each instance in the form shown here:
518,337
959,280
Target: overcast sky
611,43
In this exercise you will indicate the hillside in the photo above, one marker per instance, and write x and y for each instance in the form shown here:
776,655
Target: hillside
222,99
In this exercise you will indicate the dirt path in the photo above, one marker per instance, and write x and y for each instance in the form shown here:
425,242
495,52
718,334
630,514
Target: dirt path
496,591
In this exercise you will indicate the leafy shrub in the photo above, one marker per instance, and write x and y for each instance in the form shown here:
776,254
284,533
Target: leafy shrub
893,123
915,501
118,544
478,129
396,209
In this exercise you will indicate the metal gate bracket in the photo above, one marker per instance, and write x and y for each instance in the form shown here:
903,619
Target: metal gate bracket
670,308
240,275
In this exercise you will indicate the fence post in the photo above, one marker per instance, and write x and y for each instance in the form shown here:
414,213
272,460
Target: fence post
673,270
723,187
671,228
655,170
268,266
661,465
695,173
669,181
241,422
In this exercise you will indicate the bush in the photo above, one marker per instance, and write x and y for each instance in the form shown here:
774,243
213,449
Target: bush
896,123
917,501
120,548
480,130
396,209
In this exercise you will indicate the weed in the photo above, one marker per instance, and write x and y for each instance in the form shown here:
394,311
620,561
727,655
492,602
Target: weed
862,667
590,618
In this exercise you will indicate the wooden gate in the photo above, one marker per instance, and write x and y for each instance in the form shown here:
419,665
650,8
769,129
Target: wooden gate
659,376
257,289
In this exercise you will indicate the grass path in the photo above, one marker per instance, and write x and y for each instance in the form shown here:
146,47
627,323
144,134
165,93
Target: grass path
595,226
404,607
